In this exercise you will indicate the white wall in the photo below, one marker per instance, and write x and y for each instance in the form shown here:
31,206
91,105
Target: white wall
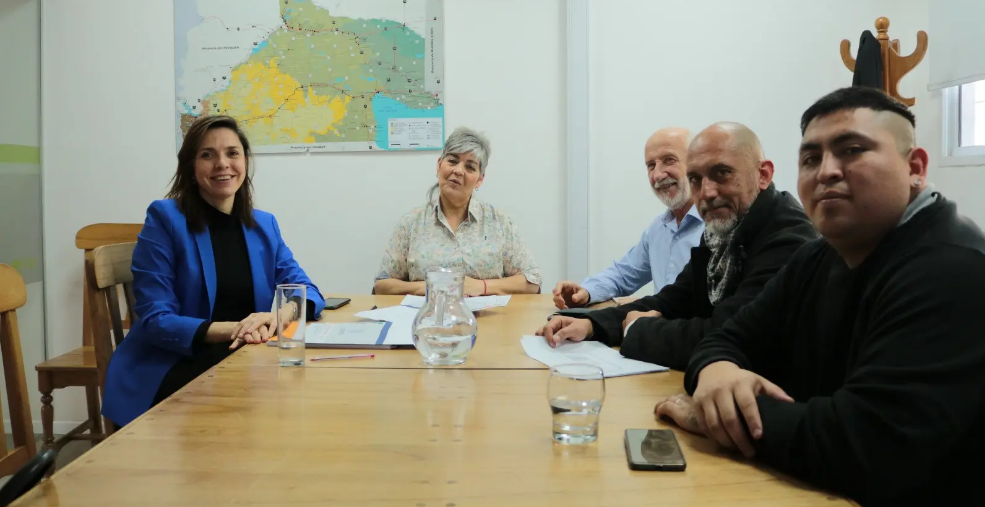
692,63
20,124
109,145
963,185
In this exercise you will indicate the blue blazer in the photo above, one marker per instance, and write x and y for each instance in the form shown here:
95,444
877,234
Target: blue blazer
174,285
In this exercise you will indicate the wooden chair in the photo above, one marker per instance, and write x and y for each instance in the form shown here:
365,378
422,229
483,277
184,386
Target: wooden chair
77,368
107,271
13,295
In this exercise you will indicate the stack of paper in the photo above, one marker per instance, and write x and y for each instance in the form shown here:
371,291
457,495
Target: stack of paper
401,319
612,363
475,304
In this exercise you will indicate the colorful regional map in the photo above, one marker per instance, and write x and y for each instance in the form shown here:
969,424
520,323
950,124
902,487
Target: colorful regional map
314,75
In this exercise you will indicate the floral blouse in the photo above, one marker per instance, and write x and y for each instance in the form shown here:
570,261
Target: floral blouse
486,245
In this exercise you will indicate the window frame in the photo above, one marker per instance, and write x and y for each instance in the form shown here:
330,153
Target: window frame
954,153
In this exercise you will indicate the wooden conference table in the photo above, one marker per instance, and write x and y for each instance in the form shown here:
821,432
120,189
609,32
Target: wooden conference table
390,432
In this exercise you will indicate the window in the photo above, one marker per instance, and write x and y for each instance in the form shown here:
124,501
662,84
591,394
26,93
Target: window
971,100
964,123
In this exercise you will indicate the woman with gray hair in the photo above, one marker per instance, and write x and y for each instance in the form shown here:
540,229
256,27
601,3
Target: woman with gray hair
456,230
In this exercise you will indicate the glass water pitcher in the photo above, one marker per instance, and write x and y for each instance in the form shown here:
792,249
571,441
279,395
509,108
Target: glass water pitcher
445,328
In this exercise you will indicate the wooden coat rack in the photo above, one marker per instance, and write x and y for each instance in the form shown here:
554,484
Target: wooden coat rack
894,66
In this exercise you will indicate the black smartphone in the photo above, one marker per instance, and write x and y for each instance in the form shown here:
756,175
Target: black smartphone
572,312
654,450
335,303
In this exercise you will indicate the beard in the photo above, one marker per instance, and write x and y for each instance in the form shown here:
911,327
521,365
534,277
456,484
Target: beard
663,188
721,226
718,226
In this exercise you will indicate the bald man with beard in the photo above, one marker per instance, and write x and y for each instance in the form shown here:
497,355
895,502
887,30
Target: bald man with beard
751,230
665,247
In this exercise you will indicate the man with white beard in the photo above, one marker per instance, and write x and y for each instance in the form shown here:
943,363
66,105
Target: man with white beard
751,229
665,247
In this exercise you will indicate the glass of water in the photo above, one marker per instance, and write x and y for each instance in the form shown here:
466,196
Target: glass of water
576,392
289,303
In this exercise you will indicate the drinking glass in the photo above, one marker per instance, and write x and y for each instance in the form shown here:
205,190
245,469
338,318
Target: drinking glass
289,304
576,392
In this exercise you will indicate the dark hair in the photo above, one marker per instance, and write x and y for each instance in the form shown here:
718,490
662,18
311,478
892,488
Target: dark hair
855,97
184,186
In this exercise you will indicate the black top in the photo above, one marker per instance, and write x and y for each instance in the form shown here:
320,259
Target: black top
233,275
233,300
886,363
768,235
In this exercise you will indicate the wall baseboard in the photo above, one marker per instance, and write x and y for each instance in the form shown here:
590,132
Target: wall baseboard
60,427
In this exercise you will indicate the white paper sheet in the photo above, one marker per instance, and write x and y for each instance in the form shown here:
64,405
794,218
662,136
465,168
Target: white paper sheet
475,304
390,314
612,363
402,323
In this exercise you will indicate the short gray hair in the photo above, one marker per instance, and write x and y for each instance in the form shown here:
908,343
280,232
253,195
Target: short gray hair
465,140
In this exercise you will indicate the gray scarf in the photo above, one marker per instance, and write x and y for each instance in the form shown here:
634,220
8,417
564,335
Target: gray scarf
721,267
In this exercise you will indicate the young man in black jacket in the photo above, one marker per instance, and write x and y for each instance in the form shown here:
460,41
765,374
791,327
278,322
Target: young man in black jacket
870,338
751,230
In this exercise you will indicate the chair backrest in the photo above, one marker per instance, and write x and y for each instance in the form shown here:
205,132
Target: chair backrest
13,295
94,236
107,269
27,477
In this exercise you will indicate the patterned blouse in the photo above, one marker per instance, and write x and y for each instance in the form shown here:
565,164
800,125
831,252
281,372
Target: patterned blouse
486,245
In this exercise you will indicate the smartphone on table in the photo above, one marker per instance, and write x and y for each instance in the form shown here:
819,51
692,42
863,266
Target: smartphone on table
575,312
336,303
654,450
572,312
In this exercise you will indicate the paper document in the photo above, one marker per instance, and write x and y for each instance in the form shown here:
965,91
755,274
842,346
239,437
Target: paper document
612,363
390,314
349,333
401,319
475,304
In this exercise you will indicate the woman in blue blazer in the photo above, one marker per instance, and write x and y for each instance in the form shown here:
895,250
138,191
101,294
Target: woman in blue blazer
204,272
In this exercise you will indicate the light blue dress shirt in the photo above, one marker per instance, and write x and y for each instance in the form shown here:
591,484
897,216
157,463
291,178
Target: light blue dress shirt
661,254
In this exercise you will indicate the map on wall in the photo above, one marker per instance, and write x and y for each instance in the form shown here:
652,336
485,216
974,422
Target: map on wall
314,75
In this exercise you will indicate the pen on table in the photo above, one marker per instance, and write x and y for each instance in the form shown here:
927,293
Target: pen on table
353,356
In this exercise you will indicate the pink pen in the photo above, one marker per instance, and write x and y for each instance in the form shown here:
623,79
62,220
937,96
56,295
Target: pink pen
353,356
